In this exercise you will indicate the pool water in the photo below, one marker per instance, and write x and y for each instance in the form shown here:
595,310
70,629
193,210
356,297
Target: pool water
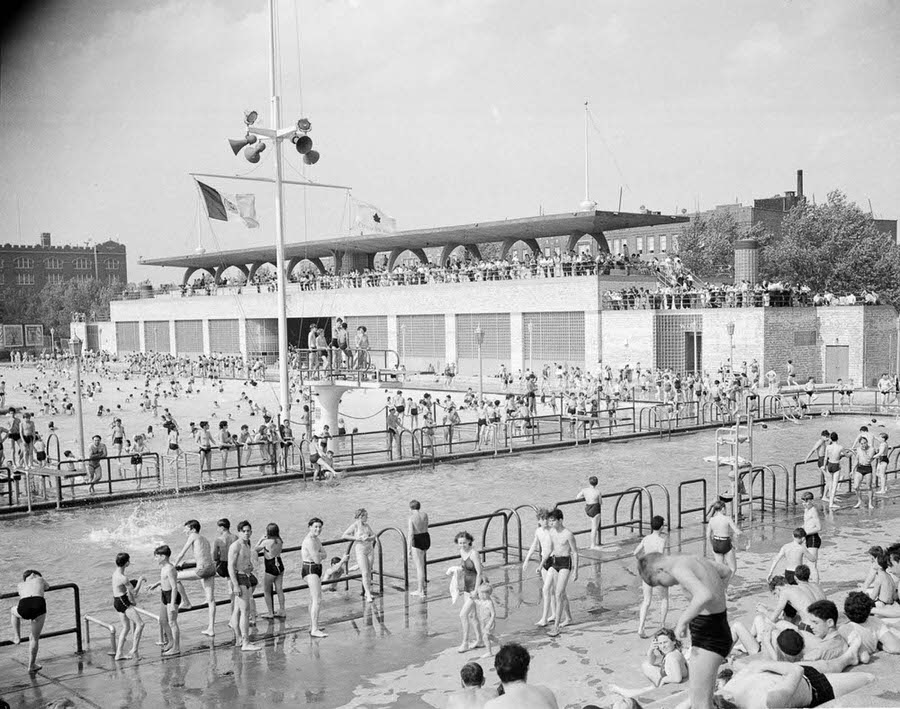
80,544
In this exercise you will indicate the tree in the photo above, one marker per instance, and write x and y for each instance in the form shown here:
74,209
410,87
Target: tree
706,245
834,246
57,303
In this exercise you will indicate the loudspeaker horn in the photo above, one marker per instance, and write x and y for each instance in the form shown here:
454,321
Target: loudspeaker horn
312,157
303,143
251,152
236,145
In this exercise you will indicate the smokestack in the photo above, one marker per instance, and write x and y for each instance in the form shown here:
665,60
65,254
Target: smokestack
800,184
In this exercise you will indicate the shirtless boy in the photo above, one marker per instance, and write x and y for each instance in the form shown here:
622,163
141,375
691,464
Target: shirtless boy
511,663
834,451
818,451
705,616
124,595
812,525
312,553
865,457
33,608
591,497
564,559
169,601
420,542
473,694
543,545
794,553
654,543
205,570
240,571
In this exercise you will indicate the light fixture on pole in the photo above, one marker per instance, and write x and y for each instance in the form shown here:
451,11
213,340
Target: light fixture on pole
479,340
75,346
730,328
253,147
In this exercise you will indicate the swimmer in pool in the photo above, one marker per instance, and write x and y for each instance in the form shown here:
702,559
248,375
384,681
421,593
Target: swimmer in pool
722,531
705,616
33,608
420,543
591,497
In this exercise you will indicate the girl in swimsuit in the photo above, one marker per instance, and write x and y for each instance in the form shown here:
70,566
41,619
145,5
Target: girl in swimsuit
472,579
363,538
270,546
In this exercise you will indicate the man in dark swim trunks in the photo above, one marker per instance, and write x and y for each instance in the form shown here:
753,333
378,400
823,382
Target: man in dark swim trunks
33,608
420,542
706,616
240,571
591,497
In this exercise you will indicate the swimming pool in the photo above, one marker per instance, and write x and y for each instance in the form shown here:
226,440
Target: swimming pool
80,544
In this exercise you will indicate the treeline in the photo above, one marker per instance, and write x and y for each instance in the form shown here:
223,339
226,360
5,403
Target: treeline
56,304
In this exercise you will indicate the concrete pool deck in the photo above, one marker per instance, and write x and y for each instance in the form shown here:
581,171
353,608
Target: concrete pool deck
401,651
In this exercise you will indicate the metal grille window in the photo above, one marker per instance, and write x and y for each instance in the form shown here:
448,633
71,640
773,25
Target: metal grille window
262,339
224,336
188,336
677,337
53,264
24,279
93,337
663,242
640,245
82,263
156,336
113,264
421,336
651,244
557,337
23,262
496,335
376,328
128,337
54,278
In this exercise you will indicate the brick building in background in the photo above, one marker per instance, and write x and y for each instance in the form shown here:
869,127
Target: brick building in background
31,267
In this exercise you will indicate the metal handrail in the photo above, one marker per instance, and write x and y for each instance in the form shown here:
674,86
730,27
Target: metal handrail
665,490
634,501
76,628
108,627
702,508
405,555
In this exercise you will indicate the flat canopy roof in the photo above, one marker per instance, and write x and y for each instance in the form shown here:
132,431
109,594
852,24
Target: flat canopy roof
467,234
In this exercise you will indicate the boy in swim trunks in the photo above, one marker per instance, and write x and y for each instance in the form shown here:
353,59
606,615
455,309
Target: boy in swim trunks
205,570
33,608
881,464
591,497
170,599
865,456
818,451
420,542
543,545
812,525
794,553
655,542
124,594
240,571
564,559
834,451
705,616
721,531
312,553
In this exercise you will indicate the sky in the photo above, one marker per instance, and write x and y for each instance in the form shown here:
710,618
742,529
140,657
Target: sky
439,113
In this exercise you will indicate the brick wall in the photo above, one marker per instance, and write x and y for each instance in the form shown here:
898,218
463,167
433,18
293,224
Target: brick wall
783,328
880,342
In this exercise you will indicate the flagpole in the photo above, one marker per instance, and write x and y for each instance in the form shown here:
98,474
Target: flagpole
283,378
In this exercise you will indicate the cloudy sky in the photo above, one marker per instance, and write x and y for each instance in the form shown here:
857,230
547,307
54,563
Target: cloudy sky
438,112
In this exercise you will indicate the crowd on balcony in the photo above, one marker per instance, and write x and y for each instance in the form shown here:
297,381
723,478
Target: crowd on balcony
687,294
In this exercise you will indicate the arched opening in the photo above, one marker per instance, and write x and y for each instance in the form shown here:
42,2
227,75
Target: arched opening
397,253
194,269
452,251
594,243
261,270
231,275
312,265
532,248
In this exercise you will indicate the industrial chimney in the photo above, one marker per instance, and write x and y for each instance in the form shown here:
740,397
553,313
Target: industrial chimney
799,184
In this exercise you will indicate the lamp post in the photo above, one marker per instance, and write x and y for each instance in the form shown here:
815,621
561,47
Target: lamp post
531,346
730,328
479,340
75,345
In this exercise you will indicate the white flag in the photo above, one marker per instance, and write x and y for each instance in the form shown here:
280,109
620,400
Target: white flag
229,207
370,218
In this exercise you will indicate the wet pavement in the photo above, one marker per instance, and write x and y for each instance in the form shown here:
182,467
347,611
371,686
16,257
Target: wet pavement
400,651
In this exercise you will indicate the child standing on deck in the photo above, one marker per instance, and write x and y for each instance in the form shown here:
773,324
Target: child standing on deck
487,615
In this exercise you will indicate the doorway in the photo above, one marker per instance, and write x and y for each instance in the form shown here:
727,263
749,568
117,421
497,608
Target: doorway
837,362
693,352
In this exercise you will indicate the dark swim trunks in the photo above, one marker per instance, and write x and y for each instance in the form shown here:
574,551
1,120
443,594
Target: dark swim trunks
821,461
422,541
166,597
561,562
790,577
222,569
248,580
31,607
592,510
721,545
834,467
819,686
813,541
712,632
310,567
121,603
863,469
